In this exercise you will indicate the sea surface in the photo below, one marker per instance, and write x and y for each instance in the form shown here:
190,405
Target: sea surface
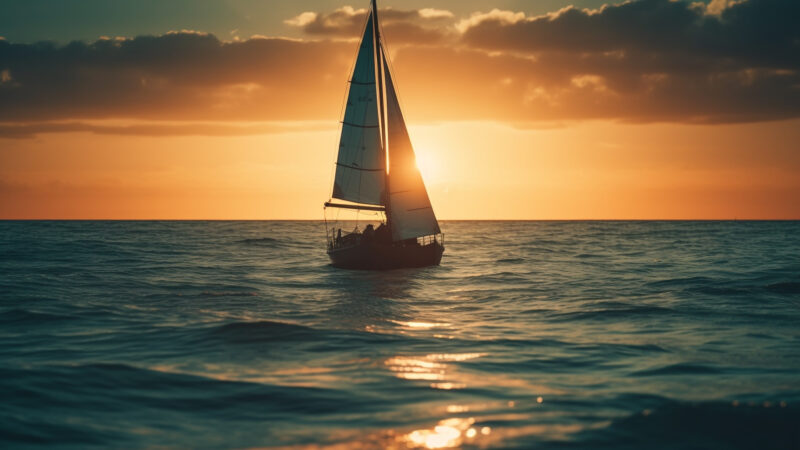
542,335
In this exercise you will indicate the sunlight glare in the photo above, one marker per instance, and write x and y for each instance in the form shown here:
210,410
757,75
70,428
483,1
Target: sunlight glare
448,433
428,166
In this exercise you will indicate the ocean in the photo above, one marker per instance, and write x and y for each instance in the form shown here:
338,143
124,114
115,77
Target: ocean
544,335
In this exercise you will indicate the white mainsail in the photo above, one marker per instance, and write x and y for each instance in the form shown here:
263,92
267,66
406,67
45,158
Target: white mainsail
410,211
360,167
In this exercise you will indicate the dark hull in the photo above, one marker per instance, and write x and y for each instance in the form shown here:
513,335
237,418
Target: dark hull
374,256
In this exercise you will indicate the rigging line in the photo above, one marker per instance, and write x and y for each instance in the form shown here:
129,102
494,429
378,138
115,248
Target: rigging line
392,73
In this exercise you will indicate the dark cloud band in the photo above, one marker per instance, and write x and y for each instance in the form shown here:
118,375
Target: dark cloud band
640,61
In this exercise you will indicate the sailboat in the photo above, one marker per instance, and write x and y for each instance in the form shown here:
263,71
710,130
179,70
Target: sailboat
376,171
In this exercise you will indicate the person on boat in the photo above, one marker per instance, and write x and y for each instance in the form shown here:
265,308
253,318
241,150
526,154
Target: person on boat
339,236
369,232
382,234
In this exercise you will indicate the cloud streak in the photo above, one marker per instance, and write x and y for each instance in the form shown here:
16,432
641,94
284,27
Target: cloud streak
30,130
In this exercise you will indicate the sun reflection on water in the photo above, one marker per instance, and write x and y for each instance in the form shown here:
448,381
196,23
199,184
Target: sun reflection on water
447,433
416,368
420,325
448,386
441,371
431,368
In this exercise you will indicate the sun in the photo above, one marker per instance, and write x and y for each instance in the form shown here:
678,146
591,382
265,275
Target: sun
428,166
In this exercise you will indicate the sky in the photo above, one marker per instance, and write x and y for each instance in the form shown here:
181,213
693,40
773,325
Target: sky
551,109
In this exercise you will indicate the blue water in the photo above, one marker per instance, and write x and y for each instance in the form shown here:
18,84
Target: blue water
529,335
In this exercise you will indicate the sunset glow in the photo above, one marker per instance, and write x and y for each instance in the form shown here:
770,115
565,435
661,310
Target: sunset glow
509,117
429,167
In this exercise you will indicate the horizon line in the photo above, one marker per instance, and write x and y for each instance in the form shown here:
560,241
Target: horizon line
440,220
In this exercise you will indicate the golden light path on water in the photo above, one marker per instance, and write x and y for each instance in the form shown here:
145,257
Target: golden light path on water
420,325
448,433
442,372
460,424
430,368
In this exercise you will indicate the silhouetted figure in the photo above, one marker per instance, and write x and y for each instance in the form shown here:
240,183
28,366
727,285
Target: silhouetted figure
369,232
382,234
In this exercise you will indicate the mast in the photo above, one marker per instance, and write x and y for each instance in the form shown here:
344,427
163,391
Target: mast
379,57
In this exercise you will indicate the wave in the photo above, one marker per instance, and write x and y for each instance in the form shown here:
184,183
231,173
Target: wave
78,397
679,369
623,349
685,281
612,313
262,331
766,424
722,290
228,294
324,339
163,334
261,242
784,288
727,287
23,316
511,261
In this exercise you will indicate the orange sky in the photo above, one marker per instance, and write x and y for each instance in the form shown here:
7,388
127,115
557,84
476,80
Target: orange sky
474,170
504,127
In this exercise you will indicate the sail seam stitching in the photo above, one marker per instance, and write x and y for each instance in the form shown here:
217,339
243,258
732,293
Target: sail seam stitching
359,126
358,168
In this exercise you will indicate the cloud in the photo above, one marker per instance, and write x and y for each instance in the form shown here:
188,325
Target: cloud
345,21
639,61
176,76
657,59
400,26
496,15
718,6
302,19
755,32
30,130
432,13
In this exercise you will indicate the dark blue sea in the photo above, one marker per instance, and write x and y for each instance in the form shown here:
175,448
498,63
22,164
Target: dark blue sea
543,335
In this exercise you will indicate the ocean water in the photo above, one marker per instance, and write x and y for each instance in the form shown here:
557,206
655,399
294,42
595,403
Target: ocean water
545,335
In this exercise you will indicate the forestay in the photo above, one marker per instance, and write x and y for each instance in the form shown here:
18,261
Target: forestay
411,214
360,167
